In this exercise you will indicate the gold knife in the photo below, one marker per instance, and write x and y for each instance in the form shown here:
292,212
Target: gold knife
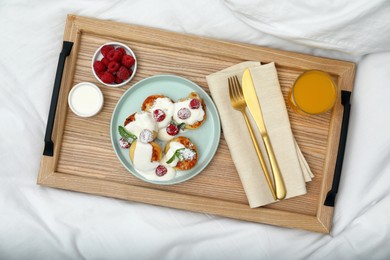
254,108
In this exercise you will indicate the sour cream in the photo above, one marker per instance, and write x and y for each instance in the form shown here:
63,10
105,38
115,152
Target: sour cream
164,136
143,120
143,156
142,163
196,114
171,173
85,99
166,105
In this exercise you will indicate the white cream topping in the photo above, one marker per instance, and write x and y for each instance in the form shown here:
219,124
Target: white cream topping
142,158
171,173
143,120
163,135
166,105
196,114
142,163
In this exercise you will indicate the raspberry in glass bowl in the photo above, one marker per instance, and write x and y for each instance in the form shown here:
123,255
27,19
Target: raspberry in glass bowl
114,64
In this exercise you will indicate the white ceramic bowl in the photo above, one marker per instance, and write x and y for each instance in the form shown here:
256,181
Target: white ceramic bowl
98,56
85,99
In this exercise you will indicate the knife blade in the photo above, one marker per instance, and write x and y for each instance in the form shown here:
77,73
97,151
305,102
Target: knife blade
252,100
254,107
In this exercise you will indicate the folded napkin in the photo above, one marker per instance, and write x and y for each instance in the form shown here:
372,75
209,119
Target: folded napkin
292,164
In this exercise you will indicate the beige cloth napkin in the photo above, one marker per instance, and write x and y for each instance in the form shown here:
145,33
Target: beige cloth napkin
292,164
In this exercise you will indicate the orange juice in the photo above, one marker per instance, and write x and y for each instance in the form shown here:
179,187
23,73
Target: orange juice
314,92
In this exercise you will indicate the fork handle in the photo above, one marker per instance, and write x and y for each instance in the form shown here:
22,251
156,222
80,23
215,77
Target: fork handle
280,187
260,156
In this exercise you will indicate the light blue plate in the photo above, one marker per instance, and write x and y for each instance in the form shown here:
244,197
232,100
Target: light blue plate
206,137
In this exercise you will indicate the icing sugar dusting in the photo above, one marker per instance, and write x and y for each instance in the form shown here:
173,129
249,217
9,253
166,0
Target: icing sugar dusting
146,136
187,154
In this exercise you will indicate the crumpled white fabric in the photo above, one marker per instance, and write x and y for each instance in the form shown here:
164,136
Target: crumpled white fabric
354,27
43,223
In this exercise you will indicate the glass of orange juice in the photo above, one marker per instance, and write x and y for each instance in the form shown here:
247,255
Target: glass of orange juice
314,92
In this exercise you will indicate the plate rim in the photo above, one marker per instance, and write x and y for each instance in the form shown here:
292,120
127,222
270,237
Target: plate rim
217,121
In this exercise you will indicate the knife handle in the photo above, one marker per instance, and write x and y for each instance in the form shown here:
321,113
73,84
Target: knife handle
260,156
280,188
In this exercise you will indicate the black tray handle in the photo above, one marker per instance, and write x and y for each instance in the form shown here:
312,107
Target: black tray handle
331,196
49,145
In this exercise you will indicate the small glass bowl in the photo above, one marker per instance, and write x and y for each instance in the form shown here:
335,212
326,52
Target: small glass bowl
99,56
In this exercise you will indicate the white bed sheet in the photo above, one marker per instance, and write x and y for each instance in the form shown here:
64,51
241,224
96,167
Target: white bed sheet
42,223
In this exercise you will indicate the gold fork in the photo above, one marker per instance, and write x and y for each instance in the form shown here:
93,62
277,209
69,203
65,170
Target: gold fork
238,102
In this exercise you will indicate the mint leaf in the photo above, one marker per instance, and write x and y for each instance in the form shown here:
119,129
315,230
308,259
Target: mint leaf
125,134
171,159
176,154
182,126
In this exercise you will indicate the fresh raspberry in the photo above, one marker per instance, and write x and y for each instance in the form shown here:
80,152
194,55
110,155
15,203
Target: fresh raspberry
106,49
100,74
118,80
123,73
114,55
98,66
121,50
130,71
146,136
195,103
105,61
128,61
107,77
113,66
158,115
172,129
183,113
161,170
123,143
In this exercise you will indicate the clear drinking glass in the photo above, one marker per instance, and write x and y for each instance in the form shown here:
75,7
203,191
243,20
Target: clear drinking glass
314,92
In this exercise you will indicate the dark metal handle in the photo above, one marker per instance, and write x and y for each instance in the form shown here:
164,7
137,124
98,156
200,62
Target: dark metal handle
331,196
49,145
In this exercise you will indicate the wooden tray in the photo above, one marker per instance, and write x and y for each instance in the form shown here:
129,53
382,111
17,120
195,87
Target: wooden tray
83,159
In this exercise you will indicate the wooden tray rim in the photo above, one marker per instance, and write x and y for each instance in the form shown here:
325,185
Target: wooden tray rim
48,176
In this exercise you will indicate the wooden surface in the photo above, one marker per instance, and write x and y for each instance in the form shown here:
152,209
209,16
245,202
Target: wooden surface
84,159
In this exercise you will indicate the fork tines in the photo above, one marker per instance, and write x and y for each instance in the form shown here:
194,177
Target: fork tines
235,90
